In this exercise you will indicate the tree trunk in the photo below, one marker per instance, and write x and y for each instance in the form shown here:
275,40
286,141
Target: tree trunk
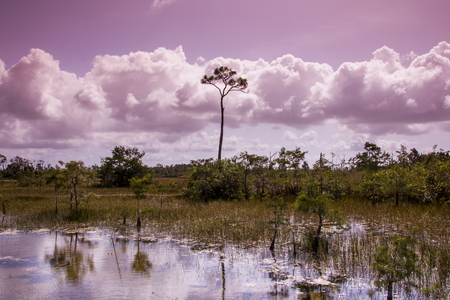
71,197
222,257
321,175
138,218
221,128
316,238
272,245
389,295
319,229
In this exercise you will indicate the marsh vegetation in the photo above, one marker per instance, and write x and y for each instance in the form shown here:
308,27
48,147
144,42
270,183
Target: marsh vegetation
375,223
359,251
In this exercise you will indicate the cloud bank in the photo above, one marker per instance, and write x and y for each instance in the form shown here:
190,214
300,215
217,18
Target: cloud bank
155,99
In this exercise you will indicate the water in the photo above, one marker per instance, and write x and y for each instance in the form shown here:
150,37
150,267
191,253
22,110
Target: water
94,263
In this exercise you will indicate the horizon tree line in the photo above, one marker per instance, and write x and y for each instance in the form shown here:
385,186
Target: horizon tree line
372,174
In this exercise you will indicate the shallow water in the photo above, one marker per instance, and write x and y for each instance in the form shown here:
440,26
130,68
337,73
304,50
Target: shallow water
94,263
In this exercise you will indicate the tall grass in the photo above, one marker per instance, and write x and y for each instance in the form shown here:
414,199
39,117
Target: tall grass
240,222
347,252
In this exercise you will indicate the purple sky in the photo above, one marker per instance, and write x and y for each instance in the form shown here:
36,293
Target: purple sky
80,77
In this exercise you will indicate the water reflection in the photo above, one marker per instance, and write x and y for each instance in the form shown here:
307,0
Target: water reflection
117,261
69,261
222,264
123,265
141,263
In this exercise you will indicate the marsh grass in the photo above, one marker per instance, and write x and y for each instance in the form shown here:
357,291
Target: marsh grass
242,222
352,251
343,253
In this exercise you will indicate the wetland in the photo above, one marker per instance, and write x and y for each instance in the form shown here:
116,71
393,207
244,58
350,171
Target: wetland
216,250
374,226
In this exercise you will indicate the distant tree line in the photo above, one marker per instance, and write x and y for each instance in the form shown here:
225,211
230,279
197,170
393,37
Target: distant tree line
373,174
170,171
114,171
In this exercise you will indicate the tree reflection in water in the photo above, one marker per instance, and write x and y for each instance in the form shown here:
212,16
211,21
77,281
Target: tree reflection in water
70,261
141,263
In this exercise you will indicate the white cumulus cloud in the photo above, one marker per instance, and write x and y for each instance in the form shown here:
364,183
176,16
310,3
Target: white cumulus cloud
289,135
155,99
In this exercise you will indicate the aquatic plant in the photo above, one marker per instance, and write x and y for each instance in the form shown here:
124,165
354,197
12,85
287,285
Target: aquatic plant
322,207
396,263
140,187
278,218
